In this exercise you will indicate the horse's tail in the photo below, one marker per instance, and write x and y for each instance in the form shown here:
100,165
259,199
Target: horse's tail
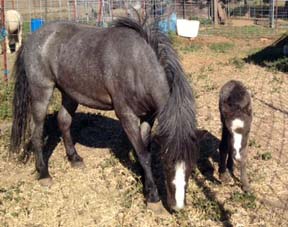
177,119
21,103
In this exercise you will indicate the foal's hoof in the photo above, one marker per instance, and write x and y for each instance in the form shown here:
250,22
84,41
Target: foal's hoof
158,208
46,182
225,178
247,189
78,165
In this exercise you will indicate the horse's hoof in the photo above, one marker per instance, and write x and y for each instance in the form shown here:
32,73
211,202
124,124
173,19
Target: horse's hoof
46,182
78,165
153,196
158,208
225,178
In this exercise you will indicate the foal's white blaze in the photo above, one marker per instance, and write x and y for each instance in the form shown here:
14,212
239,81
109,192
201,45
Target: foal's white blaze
237,123
179,182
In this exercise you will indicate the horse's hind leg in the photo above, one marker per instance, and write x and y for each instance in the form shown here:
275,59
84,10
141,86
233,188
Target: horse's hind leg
40,100
65,115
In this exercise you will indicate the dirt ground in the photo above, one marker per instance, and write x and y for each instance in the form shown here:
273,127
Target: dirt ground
108,192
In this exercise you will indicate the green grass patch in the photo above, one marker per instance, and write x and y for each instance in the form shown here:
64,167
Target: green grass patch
244,32
247,200
253,143
191,48
6,97
210,208
266,156
237,62
223,47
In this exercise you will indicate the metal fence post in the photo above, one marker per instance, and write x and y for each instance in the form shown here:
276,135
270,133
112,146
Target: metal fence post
272,13
5,68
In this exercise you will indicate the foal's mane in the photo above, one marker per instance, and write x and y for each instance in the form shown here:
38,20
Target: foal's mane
177,121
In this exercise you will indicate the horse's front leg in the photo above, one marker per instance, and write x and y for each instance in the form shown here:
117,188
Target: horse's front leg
139,137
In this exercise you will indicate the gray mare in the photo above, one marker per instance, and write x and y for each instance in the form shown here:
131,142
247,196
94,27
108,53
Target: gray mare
127,68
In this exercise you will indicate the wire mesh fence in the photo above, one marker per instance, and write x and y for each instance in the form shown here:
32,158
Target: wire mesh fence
233,18
232,13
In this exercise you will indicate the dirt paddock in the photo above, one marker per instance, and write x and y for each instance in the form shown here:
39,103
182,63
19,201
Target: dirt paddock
108,191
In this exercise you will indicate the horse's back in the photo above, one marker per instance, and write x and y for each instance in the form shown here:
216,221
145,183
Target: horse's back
96,65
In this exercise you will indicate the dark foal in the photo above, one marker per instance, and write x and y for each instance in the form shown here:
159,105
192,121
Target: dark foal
235,106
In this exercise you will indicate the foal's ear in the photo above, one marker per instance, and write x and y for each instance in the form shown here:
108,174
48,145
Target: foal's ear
226,109
200,134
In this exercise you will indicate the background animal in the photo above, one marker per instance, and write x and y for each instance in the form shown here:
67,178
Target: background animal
236,116
13,26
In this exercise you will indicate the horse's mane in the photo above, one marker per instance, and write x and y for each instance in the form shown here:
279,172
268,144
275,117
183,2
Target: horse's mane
177,121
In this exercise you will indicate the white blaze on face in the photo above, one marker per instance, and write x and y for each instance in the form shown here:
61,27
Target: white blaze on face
237,123
179,182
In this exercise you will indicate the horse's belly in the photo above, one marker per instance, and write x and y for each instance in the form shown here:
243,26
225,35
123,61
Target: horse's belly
101,102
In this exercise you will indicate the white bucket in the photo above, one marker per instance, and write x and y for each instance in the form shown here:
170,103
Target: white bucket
187,28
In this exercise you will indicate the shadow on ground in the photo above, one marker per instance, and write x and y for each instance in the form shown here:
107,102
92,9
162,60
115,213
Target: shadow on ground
272,56
209,153
93,130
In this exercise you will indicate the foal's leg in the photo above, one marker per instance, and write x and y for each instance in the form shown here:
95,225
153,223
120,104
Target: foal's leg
230,162
65,115
39,103
243,173
224,152
139,137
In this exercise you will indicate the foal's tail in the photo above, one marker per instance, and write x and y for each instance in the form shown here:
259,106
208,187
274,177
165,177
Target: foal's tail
21,103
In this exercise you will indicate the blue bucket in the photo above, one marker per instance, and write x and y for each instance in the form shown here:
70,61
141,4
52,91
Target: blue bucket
36,23
168,24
